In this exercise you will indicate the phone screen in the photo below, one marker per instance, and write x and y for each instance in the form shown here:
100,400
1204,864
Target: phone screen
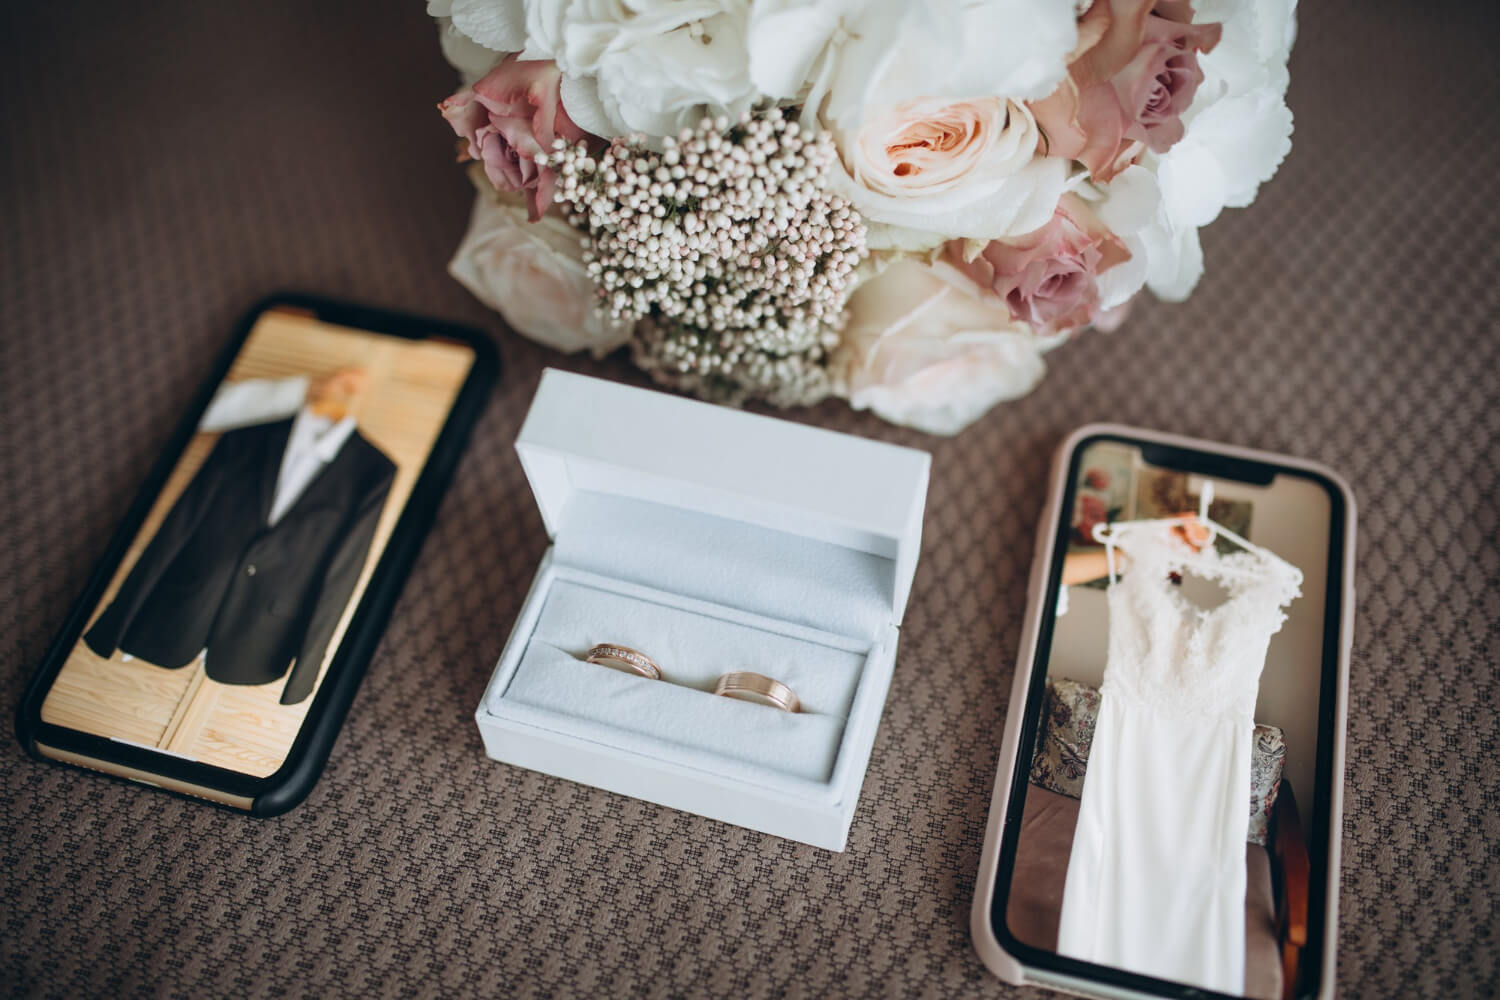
215,633
1178,719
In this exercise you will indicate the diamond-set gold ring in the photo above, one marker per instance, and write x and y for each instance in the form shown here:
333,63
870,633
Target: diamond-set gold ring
617,657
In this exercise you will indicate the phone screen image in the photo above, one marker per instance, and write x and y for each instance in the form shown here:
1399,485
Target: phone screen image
1177,720
215,633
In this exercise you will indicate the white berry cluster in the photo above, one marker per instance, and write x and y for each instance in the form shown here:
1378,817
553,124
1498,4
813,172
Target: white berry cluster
727,244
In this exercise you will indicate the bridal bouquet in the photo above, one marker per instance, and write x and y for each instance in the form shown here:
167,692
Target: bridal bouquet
904,204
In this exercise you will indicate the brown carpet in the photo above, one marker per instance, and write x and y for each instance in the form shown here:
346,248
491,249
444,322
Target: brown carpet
166,164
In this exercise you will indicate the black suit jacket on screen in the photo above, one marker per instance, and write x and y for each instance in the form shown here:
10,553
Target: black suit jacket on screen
258,598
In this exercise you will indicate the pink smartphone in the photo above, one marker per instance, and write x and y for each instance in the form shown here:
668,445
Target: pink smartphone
1138,885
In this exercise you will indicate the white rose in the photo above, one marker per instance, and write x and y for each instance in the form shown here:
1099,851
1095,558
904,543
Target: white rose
497,25
1228,151
935,169
1169,256
652,66
544,29
864,54
533,274
471,59
925,347
1238,131
1254,46
1174,259
1130,207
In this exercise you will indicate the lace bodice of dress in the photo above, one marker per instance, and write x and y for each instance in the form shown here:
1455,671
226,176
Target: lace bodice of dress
1170,656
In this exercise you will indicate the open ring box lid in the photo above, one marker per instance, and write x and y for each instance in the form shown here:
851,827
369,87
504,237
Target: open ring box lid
711,540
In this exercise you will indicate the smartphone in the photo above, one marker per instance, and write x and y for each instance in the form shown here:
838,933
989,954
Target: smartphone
218,644
1166,812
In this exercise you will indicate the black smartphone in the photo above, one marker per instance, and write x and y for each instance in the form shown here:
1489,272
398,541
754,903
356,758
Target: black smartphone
1166,813
217,646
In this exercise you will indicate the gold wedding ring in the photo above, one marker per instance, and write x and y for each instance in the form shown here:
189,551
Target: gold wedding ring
759,689
617,657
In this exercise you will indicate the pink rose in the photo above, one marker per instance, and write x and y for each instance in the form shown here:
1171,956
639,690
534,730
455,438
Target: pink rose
1048,278
1134,72
509,118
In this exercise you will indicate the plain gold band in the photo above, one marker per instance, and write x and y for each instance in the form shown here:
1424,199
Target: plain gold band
743,685
637,662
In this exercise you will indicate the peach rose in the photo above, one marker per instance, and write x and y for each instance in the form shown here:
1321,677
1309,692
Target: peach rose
929,148
949,168
927,348
1133,74
1048,278
509,118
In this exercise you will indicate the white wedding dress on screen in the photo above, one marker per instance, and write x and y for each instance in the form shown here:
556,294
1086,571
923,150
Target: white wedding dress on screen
1156,879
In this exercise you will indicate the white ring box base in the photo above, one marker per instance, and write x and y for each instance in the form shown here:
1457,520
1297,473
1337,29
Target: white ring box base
712,540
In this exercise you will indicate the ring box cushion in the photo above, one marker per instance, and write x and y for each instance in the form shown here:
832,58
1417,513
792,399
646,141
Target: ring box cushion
712,541
692,646
716,559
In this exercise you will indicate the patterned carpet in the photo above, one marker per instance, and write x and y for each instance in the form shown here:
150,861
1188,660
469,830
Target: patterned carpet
165,165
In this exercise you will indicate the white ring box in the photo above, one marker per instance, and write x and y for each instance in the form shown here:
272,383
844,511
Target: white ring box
712,540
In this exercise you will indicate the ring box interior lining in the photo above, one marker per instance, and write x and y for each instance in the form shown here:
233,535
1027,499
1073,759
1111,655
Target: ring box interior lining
713,541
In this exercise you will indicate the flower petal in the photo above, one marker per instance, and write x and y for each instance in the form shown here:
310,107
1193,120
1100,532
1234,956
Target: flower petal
499,25
785,41
580,99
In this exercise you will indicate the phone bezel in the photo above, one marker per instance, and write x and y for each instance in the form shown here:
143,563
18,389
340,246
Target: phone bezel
1321,837
289,784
